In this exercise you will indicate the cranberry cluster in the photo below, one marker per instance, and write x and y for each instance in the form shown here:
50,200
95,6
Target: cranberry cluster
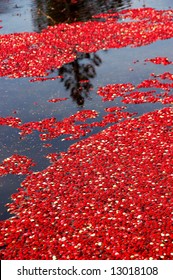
35,55
16,164
109,197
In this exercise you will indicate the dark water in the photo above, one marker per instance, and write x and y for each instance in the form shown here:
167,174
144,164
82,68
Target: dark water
28,101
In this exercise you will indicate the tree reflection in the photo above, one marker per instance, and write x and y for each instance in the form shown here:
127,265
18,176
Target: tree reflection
77,74
49,12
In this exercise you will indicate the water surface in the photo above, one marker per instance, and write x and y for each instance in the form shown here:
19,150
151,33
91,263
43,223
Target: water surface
29,101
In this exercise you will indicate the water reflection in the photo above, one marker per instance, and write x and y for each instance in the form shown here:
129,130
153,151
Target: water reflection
55,11
77,75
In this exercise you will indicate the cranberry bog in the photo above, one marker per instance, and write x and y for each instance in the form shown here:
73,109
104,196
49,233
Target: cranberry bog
97,172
